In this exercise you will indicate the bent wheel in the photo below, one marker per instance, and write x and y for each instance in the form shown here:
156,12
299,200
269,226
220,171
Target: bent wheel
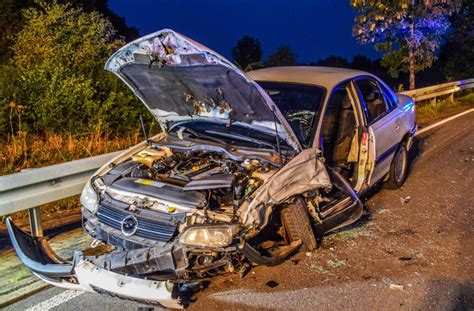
298,227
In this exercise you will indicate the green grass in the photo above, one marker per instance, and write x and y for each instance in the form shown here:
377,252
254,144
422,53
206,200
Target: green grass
23,273
428,113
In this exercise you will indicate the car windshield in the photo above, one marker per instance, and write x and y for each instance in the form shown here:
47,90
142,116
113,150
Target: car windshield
299,104
237,134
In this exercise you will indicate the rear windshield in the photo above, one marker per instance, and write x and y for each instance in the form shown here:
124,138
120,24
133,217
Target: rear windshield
299,104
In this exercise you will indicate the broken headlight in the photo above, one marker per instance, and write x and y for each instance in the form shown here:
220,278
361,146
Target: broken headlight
89,198
209,236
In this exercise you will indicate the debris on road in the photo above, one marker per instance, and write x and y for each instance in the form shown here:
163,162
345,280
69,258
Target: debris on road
337,263
272,284
405,200
393,285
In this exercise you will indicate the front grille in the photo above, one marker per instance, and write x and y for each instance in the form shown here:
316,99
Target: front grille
147,228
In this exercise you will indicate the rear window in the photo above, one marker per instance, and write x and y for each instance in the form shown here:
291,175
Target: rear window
299,104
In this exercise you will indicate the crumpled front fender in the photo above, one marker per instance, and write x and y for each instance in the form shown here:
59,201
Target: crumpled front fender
81,274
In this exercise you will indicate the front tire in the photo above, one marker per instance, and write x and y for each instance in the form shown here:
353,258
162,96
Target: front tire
398,168
298,226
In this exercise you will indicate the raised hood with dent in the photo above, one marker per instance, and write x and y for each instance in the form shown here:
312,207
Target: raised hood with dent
178,79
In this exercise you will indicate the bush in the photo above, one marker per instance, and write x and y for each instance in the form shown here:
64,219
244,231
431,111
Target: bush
56,76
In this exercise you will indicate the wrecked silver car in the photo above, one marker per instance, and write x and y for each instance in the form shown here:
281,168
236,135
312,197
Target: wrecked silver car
249,168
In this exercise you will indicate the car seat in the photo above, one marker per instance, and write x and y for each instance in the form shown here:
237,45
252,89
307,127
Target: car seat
345,132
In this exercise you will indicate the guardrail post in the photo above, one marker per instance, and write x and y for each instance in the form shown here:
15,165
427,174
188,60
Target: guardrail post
451,97
34,215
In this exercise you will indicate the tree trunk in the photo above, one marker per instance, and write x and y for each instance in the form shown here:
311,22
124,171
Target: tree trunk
411,69
411,56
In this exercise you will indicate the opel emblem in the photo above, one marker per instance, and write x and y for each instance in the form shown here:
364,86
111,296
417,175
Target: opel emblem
129,225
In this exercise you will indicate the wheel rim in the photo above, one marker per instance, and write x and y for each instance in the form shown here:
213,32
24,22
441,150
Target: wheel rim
400,165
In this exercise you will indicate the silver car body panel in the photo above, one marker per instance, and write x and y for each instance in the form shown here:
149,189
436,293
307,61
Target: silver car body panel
303,173
386,135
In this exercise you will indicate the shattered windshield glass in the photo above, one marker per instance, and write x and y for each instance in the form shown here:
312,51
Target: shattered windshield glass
299,104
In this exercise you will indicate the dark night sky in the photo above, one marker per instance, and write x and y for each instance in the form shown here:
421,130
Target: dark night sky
314,29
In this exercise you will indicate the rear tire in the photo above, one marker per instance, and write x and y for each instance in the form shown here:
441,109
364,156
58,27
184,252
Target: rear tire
298,226
398,168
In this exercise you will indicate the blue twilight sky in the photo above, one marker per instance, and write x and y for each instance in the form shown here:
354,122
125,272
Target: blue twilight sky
314,29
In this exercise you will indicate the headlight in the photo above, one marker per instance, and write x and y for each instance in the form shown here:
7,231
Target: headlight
89,198
209,236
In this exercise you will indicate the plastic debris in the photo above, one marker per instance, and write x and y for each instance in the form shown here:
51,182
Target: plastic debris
393,285
405,200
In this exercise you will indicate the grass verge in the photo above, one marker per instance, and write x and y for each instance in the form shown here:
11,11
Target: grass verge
427,113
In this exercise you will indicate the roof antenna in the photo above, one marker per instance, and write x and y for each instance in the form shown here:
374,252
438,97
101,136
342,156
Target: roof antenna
143,129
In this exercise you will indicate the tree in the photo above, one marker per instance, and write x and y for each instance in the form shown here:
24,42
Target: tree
362,62
102,6
457,54
333,61
408,32
247,52
10,23
56,73
282,56
11,20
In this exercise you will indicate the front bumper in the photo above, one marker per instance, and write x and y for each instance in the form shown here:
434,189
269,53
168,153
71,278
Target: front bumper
83,274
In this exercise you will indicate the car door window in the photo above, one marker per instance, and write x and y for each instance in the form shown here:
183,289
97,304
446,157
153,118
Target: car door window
373,98
389,96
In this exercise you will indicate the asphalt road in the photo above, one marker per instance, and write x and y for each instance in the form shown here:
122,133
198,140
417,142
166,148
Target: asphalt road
414,250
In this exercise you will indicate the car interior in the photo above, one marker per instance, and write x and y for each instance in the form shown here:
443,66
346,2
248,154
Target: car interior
372,97
338,132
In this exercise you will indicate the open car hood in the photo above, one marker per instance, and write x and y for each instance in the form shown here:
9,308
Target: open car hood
179,79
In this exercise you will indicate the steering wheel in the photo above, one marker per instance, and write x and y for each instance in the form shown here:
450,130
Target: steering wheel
300,121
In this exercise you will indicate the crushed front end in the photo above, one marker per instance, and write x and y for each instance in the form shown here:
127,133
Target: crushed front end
202,198
169,216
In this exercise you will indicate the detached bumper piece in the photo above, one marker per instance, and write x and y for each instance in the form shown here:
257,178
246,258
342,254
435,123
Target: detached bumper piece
83,274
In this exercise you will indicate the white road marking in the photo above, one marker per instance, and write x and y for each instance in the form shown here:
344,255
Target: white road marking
56,300
432,126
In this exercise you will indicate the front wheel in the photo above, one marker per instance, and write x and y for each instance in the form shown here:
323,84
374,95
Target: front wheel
298,226
398,168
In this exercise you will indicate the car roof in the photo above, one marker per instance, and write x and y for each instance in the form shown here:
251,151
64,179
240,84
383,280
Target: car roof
327,77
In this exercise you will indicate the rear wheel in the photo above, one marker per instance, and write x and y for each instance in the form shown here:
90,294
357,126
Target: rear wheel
398,168
298,226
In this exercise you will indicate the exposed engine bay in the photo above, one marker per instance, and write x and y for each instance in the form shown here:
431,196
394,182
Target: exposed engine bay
183,181
183,209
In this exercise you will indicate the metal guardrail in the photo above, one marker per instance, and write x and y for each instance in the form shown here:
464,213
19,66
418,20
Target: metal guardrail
435,91
29,189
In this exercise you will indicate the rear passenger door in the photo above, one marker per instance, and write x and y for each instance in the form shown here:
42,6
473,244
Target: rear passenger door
383,122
